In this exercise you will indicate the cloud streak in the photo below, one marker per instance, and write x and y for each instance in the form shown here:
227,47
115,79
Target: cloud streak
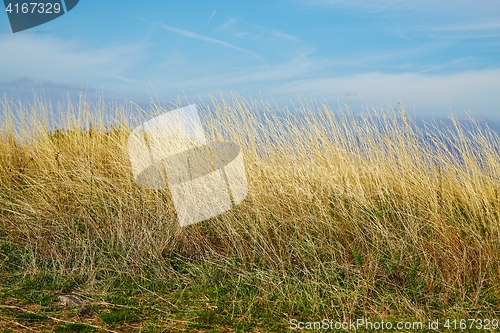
194,35
210,19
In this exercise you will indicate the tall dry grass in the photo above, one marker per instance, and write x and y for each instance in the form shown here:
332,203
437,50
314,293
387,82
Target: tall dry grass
351,208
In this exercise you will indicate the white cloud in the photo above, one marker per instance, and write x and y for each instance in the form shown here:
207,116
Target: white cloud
54,59
476,91
69,62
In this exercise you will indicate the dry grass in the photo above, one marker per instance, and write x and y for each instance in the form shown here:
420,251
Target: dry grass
345,216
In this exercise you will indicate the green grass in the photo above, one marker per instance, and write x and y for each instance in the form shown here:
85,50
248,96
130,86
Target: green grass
119,316
31,316
74,327
329,229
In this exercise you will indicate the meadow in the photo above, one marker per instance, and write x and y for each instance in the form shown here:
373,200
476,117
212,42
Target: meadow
347,217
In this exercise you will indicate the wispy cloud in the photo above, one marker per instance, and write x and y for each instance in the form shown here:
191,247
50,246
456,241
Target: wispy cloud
423,14
373,5
261,75
282,35
399,5
429,18
227,24
243,34
194,35
471,30
242,29
483,29
259,30
485,26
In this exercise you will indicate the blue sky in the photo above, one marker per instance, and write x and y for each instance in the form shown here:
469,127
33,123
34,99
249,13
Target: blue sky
380,52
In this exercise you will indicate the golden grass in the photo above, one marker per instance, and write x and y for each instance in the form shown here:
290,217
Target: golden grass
388,215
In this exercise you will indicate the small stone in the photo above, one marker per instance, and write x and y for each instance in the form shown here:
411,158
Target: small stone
84,311
69,300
